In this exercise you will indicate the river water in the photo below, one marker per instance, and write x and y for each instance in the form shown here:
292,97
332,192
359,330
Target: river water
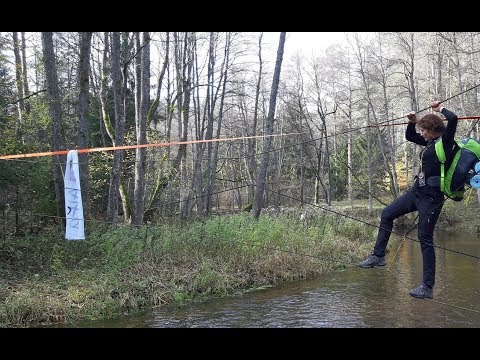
351,298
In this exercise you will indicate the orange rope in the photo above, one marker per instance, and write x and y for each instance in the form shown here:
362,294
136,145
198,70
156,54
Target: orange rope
126,147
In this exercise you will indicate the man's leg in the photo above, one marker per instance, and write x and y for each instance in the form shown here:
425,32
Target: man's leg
429,212
403,205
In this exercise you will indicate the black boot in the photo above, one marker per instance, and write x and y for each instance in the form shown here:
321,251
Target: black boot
373,260
422,292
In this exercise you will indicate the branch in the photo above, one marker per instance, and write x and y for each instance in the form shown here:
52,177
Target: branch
26,97
134,55
334,109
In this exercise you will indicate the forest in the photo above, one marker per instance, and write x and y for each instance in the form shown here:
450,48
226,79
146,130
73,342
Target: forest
307,130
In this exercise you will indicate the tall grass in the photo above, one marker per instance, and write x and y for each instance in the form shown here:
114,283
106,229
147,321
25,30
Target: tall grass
120,269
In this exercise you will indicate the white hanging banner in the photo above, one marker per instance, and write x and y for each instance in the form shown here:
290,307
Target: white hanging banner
73,199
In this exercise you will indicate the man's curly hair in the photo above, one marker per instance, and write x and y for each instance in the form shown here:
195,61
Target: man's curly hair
432,122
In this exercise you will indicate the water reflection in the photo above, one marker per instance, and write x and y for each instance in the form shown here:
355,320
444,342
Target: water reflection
352,298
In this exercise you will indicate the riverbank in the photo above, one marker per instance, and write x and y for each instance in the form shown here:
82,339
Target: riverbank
120,270
123,269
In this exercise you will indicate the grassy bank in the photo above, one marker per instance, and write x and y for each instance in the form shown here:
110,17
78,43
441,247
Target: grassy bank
123,269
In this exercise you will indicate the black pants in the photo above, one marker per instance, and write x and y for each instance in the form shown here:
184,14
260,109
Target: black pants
429,202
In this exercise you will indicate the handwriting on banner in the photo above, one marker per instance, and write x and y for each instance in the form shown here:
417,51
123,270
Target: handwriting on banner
73,199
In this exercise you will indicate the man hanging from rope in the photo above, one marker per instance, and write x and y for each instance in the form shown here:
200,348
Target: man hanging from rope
425,196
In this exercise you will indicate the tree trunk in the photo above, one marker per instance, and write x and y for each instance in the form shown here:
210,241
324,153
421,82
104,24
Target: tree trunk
127,212
322,113
141,130
54,105
156,102
262,172
160,181
105,74
390,156
369,166
137,76
84,133
26,90
211,100
458,70
253,142
328,193
408,45
184,65
349,144
318,157
390,147
211,181
115,176
280,160
19,81
302,167
439,86
196,187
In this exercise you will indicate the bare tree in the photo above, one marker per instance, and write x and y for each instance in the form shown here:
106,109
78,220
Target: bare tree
454,38
19,81
184,61
252,143
361,55
54,105
407,44
156,101
104,75
322,113
199,127
26,91
262,172
369,166
141,130
439,63
127,211
213,169
161,181
115,177
347,99
83,76
383,68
